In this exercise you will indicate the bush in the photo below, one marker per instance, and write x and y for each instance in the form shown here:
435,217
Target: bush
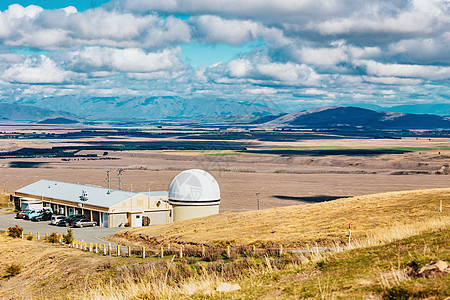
15,232
13,270
53,238
68,238
30,237
212,254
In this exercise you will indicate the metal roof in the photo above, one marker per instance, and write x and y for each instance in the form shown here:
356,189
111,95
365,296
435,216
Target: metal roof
97,195
156,193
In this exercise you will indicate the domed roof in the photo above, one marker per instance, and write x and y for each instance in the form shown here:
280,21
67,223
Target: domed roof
194,187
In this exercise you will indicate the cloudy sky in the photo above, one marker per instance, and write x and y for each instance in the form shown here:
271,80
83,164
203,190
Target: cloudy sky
299,53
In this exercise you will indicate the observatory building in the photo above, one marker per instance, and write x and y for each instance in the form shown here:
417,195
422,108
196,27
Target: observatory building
194,193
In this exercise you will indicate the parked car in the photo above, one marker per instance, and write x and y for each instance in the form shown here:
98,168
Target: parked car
43,216
72,222
31,213
84,223
56,218
66,221
21,213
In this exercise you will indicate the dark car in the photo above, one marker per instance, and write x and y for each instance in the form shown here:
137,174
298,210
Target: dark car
84,223
44,216
66,221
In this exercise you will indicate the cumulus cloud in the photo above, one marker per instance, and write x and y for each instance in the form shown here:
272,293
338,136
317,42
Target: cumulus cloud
66,28
327,49
259,69
252,8
214,29
35,70
130,60
405,70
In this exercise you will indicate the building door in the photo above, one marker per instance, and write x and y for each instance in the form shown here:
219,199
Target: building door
104,220
96,217
70,211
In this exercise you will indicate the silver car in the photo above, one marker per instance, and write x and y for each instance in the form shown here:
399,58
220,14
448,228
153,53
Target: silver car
84,223
56,218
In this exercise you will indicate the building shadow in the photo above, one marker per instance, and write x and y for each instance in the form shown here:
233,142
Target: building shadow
310,199
25,164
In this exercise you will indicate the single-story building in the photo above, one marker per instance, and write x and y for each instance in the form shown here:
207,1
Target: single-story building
107,207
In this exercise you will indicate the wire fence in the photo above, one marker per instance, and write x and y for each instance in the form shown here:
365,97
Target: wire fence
206,252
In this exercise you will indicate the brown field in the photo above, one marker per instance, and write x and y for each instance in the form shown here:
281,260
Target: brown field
280,179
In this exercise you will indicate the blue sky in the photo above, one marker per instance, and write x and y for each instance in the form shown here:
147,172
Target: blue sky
298,53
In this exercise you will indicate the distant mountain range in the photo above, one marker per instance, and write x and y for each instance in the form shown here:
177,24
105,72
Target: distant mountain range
348,116
70,109
152,108
15,112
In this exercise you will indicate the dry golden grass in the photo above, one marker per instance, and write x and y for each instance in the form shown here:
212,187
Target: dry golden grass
46,270
326,223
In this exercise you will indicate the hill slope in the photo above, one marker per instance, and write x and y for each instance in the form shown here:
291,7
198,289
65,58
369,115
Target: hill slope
17,112
341,116
325,222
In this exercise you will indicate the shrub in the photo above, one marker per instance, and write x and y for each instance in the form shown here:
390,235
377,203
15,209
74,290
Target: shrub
68,238
15,232
13,270
30,237
212,254
53,238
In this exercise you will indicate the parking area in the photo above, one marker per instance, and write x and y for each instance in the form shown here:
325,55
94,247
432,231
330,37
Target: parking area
86,234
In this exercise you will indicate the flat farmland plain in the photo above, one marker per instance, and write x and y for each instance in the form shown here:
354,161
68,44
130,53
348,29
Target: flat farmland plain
282,173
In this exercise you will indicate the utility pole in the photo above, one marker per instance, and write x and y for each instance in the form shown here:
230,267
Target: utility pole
257,199
119,175
108,179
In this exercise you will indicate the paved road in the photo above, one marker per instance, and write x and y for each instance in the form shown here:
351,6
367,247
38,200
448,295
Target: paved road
86,234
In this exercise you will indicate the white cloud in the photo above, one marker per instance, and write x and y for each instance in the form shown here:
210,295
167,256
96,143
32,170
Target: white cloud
427,50
251,8
239,67
392,80
214,29
404,70
36,70
263,90
130,60
262,71
66,28
415,18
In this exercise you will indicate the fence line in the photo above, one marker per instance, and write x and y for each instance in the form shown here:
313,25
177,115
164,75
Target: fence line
207,252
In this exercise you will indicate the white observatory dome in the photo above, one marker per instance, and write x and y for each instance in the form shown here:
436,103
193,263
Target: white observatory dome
194,187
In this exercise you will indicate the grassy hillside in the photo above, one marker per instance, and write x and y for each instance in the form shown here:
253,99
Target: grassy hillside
388,271
325,223
45,269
